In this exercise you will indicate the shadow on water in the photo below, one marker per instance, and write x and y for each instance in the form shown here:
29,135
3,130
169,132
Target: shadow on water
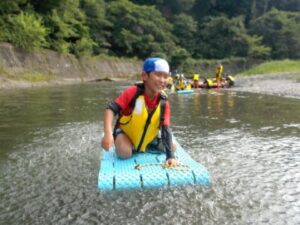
49,159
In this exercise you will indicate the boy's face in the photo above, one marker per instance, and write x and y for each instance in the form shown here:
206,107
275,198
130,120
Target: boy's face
155,81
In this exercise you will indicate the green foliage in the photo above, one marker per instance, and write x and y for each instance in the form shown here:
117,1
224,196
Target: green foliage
31,76
180,55
60,31
98,24
185,29
169,7
69,32
45,6
2,31
280,31
35,76
274,67
26,31
142,30
11,6
178,6
175,29
222,37
189,66
83,47
231,8
256,50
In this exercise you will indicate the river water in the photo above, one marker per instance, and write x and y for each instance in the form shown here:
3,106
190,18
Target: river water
50,151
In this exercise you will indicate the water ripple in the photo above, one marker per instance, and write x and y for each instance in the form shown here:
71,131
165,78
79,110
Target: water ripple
252,154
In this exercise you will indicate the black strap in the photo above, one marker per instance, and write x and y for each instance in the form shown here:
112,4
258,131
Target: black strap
146,128
140,91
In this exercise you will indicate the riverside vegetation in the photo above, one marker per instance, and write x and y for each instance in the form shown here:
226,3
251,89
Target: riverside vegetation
181,31
192,35
275,67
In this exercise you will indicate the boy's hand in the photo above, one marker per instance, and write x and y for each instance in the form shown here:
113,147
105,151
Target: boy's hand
107,141
172,162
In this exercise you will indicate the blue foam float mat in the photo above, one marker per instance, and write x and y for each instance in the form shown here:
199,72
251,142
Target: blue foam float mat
190,91
146,170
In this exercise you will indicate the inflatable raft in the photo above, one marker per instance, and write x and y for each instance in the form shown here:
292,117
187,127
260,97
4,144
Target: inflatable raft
148,170
227,82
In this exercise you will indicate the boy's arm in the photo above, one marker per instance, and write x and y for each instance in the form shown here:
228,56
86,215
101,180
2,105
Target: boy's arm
167,141
166,135
107,140
111,110
114,108
107,121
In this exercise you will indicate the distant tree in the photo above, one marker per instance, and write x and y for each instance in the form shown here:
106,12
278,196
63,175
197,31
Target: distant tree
25,30
230,8
138,30
95,11
221,37
257,8
280,31
44,6
168,8
185,30
68,29
148,2
286,5
178,6
12,6
177,29
255,49
180,55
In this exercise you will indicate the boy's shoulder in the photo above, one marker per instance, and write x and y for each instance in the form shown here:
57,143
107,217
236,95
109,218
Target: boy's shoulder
131,89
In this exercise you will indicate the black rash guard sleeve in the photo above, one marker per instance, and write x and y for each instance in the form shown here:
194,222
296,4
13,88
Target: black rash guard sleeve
114,107
167,141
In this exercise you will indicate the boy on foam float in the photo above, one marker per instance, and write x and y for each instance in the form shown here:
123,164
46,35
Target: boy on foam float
143,115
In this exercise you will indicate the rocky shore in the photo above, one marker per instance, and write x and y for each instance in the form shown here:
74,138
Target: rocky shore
285,84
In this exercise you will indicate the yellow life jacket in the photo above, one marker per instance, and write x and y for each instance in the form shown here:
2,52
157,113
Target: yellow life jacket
221,69
170,80
181,84
219,72
172,87
230,78
142,127
209,82
196,77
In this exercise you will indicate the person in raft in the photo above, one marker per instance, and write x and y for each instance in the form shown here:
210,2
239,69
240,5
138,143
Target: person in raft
219,72
143,114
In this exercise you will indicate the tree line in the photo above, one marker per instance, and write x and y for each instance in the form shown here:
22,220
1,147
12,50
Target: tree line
179,30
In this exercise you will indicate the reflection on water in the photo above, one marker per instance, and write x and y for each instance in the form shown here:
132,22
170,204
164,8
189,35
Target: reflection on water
49,159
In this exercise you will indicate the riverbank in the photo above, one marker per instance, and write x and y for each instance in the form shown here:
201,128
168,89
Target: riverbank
281,84
6,83
22,69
